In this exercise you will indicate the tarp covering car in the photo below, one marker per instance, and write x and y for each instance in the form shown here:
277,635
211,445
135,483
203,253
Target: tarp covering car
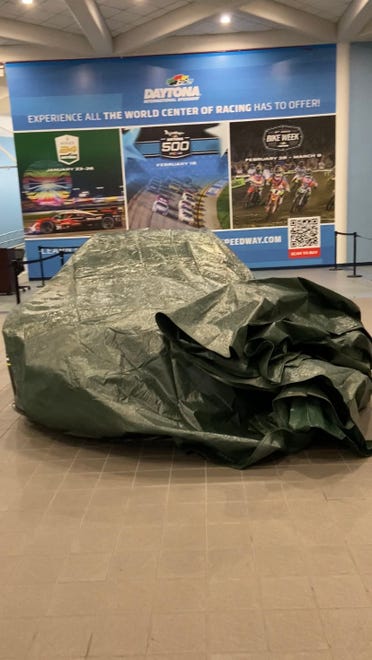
166,332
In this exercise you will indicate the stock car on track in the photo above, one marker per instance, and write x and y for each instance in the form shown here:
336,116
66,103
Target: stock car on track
160,205
76,219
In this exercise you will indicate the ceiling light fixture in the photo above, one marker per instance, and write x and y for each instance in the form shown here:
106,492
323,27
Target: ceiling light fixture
225,19
27,2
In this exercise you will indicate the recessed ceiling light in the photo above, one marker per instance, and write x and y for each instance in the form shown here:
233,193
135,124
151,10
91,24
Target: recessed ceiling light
225,19
27,2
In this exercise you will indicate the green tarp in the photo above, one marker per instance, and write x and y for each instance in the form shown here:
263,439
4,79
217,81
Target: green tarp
167,333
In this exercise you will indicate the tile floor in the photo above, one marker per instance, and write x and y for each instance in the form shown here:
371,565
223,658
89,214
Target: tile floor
113,550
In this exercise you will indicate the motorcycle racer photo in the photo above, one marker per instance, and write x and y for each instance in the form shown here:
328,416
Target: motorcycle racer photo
278,187
305,184
256,183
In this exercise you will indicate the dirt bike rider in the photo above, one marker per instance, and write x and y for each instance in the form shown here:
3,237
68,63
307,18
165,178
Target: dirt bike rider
278,184
305,183
300,170
256,183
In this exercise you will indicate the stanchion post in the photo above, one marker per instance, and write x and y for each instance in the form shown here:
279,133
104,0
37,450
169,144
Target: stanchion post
355,235
335,267
62,257
17,292
41,265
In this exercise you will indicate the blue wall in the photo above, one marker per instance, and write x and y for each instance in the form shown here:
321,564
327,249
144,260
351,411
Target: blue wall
360,149
11,224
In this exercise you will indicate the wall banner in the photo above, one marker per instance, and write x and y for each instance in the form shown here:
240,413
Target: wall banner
242,143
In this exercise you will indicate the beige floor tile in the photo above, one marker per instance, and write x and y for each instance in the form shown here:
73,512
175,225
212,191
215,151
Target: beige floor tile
282,561
46,541
340,591
313,655
120,464
228,535
101,514
16,637
187,513
348,629
31,499
261,472
234,594
157,495
33,569
334,489
61,521
25,601
83,464
315,510
46,481
184,492
319,532
295,631
148,537
177,633
115,479
217,474
362,555
230,563
150,463
274,532
241,631
182,563
53,466
267,510
13,544
176,656
229,492
70,500
286,593
227,512
110,498
78,599
90,538
76,481
179,595
62,636
265,655
132,595
151,478
359,533
193,537
20,521
264,490
7,569
329,560
144,514
134,562
120,634
306,491
84,567
353,655
181,476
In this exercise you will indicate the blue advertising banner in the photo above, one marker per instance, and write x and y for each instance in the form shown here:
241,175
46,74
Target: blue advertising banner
241,143
140,91
54,252
270,247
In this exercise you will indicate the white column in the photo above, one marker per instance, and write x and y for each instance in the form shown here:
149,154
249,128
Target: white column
342,146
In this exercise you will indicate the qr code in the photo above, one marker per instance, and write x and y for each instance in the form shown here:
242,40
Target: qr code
304,232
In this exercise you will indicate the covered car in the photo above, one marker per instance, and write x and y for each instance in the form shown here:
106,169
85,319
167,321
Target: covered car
166,332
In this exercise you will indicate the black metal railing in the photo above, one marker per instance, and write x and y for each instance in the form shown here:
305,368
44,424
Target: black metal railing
15,264
354,263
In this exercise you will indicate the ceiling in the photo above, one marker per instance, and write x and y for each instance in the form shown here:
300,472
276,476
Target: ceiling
60,29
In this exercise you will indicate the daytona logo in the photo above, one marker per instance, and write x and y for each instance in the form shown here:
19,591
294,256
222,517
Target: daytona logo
191,93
